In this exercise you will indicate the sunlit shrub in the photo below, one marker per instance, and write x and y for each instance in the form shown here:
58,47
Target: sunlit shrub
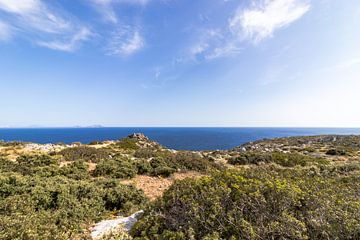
266,203
127,144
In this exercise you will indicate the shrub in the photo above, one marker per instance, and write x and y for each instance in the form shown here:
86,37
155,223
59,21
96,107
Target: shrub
117,168
122,197
145,153
189,161
283,159
127,144
6,165
163,171
42,165
88,154
265,203
117,234
336,152
158,162
290,159
143,166
58,207
35,160
77,170
250,158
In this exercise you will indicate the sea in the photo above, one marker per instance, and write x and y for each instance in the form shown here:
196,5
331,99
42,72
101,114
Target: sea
179,138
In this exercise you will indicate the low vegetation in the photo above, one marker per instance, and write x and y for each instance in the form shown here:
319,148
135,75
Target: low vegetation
85,153
287,188
262,203
116,168
40,200
283,159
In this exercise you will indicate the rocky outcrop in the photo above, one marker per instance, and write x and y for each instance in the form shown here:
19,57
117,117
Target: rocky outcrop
139,136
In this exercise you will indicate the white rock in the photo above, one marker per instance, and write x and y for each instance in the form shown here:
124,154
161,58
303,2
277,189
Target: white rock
105,226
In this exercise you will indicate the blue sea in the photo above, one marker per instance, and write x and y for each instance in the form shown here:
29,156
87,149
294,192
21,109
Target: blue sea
175,138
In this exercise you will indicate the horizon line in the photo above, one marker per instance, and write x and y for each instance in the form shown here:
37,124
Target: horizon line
100,126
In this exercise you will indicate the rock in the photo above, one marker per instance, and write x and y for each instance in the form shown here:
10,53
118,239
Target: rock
106,226
139,136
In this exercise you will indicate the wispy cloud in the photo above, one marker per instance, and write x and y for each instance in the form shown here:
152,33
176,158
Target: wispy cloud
20,7
265,17
125,41
45,26
107,7
5,32
228,49
212,43
252,24
68,45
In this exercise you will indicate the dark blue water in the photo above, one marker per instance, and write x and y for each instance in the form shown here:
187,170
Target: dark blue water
176,138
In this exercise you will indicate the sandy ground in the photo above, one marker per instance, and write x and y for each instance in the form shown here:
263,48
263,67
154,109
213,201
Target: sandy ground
154,187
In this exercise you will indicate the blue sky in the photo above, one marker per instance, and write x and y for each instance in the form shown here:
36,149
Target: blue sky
180,63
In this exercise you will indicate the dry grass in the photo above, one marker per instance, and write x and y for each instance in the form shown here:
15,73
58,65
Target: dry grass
154,187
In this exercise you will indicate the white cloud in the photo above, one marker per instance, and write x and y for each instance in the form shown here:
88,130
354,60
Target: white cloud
20,6
125,41
5,32
254,23
44,26
36,15
265,17
226,50
106,7
67,45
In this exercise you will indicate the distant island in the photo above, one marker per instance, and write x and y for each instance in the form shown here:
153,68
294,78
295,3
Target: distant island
90,126
134,188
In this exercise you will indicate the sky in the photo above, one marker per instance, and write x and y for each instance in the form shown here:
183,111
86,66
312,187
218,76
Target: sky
240,63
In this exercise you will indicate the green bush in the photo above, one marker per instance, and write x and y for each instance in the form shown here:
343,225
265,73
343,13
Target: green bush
283,159
190,161
163,171
6,165
58,207
88,154
145,153
127,144
35,160
122,198
118,168
77,170
42,165
256,204
250,158
143,166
